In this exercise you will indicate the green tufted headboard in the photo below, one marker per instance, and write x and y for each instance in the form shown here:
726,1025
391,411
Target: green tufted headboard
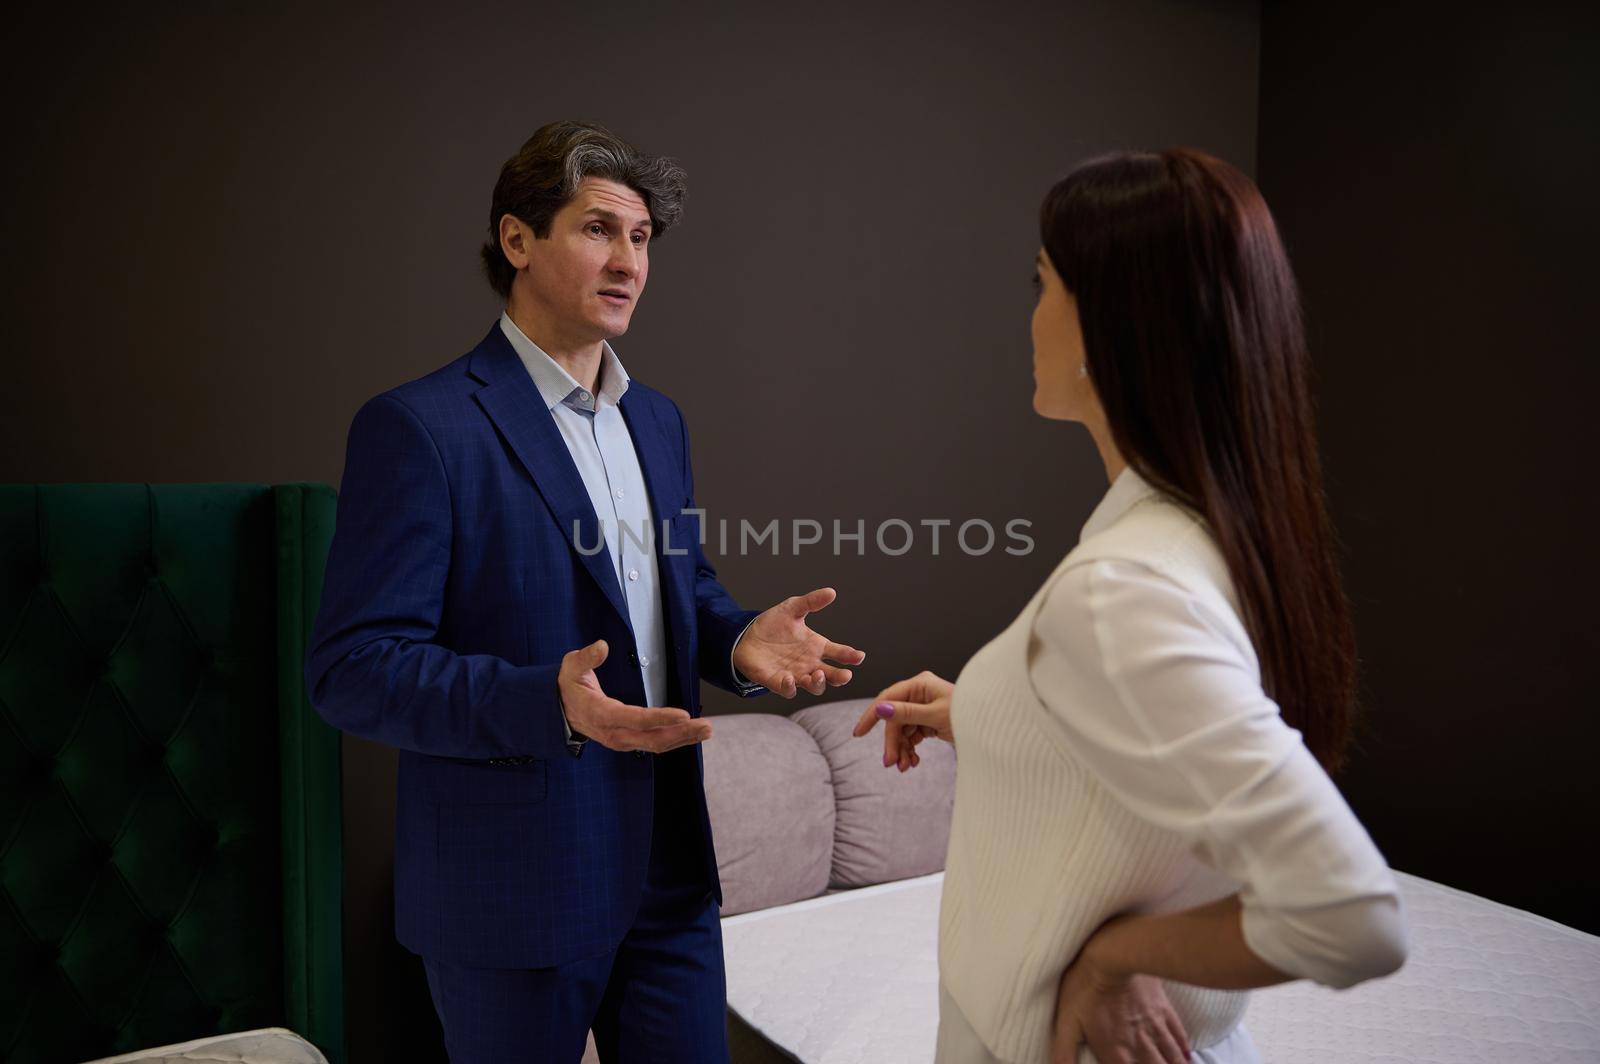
169,801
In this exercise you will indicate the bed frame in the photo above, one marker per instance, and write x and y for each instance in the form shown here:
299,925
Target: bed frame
169,801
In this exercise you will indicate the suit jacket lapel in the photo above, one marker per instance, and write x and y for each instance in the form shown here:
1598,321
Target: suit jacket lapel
514,404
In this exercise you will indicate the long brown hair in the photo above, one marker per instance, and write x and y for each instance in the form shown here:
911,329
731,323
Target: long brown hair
1195,346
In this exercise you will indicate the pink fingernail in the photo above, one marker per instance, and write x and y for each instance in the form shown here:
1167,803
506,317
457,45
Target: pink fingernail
884,711
887,760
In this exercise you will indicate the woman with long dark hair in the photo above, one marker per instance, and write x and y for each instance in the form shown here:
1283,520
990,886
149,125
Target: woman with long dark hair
1144,824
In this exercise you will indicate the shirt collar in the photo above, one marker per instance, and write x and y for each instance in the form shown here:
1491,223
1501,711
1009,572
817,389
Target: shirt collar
1127,489
555,384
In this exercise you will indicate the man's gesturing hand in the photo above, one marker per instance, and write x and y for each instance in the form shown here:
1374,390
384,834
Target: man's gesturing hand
614,724
780,652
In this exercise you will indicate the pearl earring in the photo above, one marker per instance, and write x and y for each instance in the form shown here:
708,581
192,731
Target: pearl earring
1083,369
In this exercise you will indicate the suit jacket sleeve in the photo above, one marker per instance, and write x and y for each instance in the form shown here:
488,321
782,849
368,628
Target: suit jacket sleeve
718,617
372,668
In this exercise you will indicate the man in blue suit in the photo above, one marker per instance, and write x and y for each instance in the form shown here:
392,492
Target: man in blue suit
515,596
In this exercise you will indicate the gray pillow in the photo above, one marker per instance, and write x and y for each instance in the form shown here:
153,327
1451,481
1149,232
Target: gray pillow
889,825
771,805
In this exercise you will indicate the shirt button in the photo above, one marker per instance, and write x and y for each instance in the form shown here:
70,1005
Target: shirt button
583,397
643,660
633,574
619,493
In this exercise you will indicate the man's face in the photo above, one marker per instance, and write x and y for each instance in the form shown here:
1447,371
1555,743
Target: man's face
587,275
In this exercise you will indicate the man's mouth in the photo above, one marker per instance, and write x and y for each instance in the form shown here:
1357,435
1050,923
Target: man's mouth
615,296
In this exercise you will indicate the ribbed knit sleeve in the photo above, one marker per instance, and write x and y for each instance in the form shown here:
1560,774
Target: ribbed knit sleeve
1156,699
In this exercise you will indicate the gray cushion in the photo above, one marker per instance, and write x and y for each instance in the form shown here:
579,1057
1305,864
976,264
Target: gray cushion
265,1045
889,825
772,811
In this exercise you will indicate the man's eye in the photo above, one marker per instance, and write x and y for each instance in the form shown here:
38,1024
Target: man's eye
596,227
638,238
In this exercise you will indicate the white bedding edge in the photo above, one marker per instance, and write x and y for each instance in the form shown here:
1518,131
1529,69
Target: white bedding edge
1557,926
1486,982
822,900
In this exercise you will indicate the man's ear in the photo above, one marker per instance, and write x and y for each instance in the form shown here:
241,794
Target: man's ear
515,237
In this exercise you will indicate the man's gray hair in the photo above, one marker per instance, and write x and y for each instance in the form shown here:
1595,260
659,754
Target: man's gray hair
544,176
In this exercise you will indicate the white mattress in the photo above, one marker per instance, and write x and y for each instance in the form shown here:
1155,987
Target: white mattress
265,1045
852,978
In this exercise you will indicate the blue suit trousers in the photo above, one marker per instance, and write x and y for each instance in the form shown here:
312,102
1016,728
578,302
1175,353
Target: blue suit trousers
659,996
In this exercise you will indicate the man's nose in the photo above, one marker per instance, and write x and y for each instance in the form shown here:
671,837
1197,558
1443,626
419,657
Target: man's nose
625,261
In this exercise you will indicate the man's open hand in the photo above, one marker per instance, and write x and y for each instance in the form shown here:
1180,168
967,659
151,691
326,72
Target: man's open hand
781,653
617,725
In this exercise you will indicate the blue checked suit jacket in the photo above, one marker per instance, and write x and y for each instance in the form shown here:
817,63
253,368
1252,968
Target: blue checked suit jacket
453,588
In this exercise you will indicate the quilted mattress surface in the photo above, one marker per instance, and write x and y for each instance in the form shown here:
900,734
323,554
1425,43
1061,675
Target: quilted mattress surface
268,1045
852,978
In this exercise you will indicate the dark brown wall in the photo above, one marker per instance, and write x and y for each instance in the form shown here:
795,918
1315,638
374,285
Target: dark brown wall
228,227
1435,182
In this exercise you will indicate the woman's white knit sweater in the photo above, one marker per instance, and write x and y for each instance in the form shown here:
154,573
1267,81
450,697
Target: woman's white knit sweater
1117,754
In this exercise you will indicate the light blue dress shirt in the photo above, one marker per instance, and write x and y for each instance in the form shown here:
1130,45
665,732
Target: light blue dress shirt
602,449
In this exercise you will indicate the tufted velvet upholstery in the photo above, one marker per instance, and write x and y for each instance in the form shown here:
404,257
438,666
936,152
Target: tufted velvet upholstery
169,803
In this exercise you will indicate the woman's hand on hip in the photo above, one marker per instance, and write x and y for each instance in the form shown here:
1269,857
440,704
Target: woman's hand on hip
911,710
1125,1019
